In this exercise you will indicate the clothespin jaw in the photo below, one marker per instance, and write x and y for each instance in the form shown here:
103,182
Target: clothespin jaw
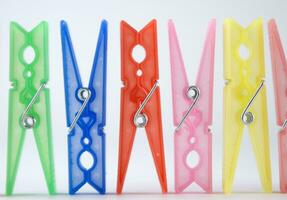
279,69
29,101
140,100
86,114
245,99
194,135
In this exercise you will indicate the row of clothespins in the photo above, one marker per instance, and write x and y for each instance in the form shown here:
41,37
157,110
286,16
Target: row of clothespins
244,104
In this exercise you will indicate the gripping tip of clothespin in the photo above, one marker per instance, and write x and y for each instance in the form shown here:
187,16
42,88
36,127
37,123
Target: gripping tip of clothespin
171,28
104,27
153,21
213,21
170,24
212,26
272,24
63,23
104,24
227,20
271,21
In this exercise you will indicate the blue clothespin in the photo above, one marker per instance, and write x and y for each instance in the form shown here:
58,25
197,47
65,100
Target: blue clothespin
86,114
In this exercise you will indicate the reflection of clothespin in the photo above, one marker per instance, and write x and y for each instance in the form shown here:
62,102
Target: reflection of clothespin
140,99
29,100
192,106
279,68
245,99
86,114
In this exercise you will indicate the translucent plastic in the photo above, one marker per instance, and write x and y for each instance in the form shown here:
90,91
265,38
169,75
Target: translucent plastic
194,136
136,87
279,69
243,75
26,78
87,137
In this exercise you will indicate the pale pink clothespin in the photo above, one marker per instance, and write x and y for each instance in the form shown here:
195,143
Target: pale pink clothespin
192,114
279,69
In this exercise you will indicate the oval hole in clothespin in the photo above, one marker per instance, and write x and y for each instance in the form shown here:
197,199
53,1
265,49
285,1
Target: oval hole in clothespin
139,53
29,55
243,52
87,160
192,159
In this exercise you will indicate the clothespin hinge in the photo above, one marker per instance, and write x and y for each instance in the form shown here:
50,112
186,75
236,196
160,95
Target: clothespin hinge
192,92
84,94
247,117
27,120
140,120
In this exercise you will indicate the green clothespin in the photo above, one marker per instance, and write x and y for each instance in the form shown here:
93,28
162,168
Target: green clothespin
29,101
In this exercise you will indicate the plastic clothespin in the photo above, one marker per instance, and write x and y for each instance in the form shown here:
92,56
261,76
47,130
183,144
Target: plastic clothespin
86,114
279,68
29,101
192,114
140,99
245,99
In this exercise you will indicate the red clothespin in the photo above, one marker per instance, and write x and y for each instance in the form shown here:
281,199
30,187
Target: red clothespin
140,99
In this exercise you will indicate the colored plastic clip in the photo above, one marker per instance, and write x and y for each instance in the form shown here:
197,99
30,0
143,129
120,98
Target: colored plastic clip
140,99
279,68
86,114
192,114
29,101
245,99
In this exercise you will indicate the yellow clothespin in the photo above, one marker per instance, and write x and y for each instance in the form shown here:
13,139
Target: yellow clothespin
245,99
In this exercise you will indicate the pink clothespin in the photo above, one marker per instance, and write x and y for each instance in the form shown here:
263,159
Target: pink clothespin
279,69
192,114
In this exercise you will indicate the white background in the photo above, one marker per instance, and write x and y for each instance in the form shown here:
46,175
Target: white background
84,17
